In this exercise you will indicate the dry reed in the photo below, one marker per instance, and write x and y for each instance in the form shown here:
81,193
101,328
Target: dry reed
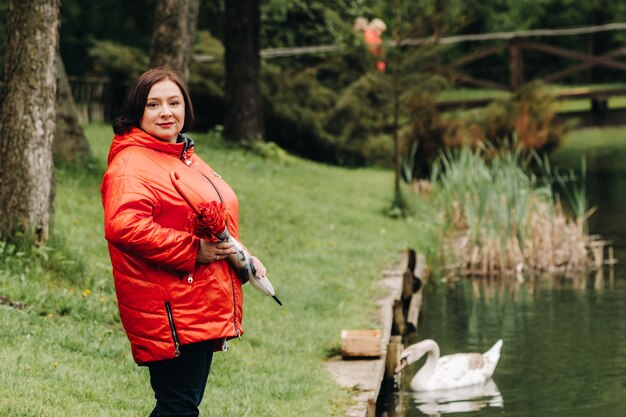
500,221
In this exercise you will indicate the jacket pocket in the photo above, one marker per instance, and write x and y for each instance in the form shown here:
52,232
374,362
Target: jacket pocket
170,318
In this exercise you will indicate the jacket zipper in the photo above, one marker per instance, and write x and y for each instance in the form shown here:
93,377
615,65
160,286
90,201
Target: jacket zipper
187,162
170,318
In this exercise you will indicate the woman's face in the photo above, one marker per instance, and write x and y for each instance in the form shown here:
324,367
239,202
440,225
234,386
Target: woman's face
164,114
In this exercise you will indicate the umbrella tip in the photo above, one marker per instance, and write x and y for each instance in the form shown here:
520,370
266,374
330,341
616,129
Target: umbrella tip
277,300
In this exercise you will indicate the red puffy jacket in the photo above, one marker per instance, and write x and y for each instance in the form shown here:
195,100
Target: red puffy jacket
165,298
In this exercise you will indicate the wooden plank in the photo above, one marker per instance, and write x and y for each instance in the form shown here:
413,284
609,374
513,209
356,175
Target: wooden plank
361,343
393,356
482,53
583,93
447,40
421,269
412,316
407,284
399,321
590,51
411,259
566,53
573,69
480,83
516,64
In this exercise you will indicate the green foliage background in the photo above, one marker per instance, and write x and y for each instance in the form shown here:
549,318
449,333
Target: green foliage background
334,107
288,23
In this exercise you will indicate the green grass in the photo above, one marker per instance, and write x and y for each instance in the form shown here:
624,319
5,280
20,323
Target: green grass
321,232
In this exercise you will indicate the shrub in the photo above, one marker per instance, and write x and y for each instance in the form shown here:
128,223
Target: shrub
529,116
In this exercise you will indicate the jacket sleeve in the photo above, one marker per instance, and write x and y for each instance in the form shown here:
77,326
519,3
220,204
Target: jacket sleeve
129,206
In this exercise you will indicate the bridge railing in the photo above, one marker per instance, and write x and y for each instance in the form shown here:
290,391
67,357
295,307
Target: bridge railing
517,44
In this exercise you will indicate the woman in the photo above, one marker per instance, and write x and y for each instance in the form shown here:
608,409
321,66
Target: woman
178,296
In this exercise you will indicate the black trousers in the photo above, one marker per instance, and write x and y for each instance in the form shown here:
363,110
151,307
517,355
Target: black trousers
179,383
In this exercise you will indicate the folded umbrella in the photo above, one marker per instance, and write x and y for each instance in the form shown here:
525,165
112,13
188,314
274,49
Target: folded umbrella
208,221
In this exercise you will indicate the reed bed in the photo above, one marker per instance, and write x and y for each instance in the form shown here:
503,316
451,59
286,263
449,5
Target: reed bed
502,219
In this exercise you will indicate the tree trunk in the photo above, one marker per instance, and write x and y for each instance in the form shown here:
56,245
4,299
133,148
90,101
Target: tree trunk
175,23
243,120
27,119
70,144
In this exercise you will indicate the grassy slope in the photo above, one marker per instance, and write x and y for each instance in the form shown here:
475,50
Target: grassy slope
319,231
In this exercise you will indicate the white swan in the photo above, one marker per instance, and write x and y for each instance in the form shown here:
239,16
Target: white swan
450,371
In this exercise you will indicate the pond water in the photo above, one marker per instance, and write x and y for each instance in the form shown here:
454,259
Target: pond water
564,351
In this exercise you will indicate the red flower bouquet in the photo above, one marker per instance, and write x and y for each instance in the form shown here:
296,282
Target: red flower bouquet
208,221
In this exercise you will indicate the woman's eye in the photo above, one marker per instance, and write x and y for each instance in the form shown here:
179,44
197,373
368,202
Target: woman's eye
174,103
152,105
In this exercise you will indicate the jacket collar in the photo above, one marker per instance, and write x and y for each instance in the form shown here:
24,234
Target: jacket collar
137,137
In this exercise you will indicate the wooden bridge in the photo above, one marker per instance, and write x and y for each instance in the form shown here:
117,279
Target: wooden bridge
516,43
599,112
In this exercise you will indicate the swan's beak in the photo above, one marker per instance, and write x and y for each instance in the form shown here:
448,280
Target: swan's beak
403,364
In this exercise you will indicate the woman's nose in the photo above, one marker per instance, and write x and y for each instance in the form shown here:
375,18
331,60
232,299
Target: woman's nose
166,111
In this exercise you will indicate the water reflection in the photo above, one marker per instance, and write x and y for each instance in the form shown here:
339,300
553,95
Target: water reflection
439,403
494,289
460,400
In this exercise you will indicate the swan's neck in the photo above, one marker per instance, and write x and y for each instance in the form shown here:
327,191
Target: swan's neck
432,352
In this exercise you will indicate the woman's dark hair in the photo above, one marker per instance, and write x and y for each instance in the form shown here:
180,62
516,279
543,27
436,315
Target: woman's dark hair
135,102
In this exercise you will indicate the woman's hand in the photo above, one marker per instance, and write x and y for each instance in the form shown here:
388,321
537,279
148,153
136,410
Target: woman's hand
211,252
259,267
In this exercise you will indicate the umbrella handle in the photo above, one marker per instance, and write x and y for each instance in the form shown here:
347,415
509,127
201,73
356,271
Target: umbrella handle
174,177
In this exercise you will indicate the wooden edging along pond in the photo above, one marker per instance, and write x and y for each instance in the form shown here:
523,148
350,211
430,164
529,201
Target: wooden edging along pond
398,315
